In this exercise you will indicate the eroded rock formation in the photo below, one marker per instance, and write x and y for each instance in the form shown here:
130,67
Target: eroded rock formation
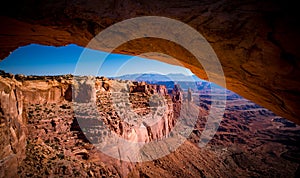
256,41
36,115
41,133
12,129
15,92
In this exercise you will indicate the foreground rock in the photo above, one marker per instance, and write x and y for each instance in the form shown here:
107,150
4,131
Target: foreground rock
15,92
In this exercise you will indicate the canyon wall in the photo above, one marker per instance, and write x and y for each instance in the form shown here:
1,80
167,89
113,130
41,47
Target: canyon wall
31,111
42,132
14,95
13,128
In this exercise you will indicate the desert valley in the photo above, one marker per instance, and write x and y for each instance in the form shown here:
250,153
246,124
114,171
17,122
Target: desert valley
50,130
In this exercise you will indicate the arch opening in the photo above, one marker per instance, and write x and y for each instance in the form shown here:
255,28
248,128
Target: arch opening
245,125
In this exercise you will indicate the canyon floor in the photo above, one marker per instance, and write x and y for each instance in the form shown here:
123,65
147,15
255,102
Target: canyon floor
251,141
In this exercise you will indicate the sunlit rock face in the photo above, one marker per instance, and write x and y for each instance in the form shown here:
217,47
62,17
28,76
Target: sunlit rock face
12,129
36,113
256,42
15,92
42,134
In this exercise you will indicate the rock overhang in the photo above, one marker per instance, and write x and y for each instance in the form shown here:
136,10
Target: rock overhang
256,42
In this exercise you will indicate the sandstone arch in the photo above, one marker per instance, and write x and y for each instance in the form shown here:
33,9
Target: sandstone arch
257,42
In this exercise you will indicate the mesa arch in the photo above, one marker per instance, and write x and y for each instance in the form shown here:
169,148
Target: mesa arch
256,42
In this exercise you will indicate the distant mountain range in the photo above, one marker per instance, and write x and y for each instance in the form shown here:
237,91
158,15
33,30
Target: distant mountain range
169,80
159,77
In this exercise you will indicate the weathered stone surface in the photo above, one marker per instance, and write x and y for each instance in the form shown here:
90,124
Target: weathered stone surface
36,99
256,41
14,94
84,89
12,128
54,143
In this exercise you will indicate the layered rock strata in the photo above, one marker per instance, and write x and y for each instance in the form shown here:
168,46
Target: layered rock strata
36,112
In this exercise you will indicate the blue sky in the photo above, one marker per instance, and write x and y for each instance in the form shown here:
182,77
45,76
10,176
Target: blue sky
48,60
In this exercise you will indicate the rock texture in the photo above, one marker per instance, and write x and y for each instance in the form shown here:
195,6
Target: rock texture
36,112
247,138
42,134
256,41
15,92
12,129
